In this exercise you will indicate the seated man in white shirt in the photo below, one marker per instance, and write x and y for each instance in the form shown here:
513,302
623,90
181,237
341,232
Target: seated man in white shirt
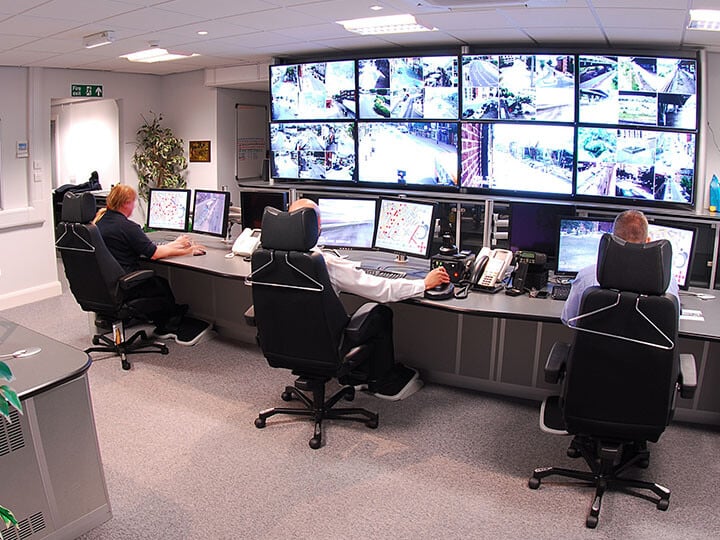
631,226
395,381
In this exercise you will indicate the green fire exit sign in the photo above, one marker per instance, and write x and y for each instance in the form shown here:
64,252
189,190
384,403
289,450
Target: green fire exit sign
86,90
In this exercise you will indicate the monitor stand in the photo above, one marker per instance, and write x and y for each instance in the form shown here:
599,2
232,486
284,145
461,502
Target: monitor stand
400,258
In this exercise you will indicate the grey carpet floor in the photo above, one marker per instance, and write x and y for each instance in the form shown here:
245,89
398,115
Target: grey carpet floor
183,459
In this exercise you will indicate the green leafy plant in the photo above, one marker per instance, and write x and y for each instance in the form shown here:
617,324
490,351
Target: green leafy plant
9,397
159,157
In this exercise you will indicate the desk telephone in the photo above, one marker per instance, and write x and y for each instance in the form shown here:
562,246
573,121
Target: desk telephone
489,268
247,242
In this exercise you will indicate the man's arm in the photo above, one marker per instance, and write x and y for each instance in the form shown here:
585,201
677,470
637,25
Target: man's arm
182,245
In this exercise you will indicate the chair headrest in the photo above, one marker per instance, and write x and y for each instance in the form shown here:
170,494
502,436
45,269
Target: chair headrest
638,268
289,231
78,207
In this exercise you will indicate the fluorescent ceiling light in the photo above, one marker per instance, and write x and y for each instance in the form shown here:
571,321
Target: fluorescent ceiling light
392,24
704,19
156,54
98,39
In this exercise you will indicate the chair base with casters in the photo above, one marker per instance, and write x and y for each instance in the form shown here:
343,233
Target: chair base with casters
138,343
318,408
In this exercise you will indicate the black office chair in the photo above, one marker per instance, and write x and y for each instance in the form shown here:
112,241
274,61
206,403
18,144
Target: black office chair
301,323
98,282
622,372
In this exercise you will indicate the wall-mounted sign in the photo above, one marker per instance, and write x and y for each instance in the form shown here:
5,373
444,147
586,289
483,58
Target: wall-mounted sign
86,90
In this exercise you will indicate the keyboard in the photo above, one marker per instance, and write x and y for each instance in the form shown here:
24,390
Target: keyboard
560,292
389,274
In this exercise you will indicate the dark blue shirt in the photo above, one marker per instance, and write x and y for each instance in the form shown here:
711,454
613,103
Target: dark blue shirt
125,239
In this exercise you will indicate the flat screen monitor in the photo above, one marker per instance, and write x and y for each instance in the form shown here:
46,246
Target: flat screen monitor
253,203
683,243
408,153
533,158
313,91
168,209
578,241
417,87
519,87
313,151
405,227
347,222
645,165
533,227
210,212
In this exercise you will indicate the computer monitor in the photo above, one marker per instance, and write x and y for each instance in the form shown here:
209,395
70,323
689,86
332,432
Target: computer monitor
210,212
253,203
683,244
534,226
578,241
347,222
168,209
405,227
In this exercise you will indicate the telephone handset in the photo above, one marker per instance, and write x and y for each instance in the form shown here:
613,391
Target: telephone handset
489,268
247,242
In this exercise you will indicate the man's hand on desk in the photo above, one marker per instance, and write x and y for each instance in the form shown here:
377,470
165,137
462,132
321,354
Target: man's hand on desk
436,276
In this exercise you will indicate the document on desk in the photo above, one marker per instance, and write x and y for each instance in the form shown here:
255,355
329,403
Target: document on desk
692,315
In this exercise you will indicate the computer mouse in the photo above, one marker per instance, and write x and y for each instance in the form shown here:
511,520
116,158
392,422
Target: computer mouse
198,252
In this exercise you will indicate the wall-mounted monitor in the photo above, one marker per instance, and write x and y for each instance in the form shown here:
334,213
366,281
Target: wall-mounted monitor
648,165
347,222
313,91
313,151
578,241
404,153
416,87
405,227
532,158
519,87
168,209
683,244
253,203
210,212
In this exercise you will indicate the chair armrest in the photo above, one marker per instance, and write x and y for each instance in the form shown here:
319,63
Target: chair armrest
355,329
688,376
556,362
128,281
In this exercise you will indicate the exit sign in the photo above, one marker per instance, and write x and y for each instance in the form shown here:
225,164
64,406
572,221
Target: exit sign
86,90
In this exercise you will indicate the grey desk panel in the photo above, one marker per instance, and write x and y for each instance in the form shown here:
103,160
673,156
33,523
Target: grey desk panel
477,347
425,345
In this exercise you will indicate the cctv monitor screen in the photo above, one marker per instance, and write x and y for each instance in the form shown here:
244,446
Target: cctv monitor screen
253,203
578,241
408,153
405,227
682,240
313,91
347,223
168,209
418,87
313,151
210,212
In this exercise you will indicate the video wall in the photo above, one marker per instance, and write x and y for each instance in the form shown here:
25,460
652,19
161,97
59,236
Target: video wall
565,126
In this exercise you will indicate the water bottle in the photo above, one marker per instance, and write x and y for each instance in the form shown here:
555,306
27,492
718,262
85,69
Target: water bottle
714,194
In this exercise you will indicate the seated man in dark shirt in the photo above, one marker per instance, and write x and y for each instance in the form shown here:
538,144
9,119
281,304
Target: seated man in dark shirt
128,243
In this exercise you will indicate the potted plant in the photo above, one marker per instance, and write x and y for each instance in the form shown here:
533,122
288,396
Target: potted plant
159,157
9,397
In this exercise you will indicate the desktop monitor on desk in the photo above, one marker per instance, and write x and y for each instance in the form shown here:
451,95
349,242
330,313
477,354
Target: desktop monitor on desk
253,203
683,244
210,212
405,227
168,209
578,241
347,222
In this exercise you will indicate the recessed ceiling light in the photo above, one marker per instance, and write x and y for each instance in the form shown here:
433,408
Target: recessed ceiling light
704,19
392,24
202,33
376,8
156,54
98,39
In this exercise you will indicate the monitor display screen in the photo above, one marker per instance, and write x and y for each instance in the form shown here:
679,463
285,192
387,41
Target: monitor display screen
417,87
313,151
533,227
638,90
347,223
418,153
317,91
405,227
636,164
253,203
682,240
210,212
578,241
519,87
530,158
168,209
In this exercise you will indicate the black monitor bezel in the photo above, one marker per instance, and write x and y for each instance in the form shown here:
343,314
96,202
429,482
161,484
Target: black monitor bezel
433,218
152,191
226,212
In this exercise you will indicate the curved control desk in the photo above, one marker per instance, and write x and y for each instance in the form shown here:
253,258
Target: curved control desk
52,475
489,342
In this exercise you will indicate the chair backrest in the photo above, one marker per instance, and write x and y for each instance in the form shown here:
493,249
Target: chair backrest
91,270
300,320
623,366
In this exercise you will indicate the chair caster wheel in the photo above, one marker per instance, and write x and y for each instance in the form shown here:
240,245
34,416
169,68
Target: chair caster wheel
259,423
164,350
125,365
591,522
286,396
533,483
314,443
350,396
573,453
95,340
663,504
372,424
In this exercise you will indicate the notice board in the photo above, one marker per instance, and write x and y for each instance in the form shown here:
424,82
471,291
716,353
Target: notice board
251,141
